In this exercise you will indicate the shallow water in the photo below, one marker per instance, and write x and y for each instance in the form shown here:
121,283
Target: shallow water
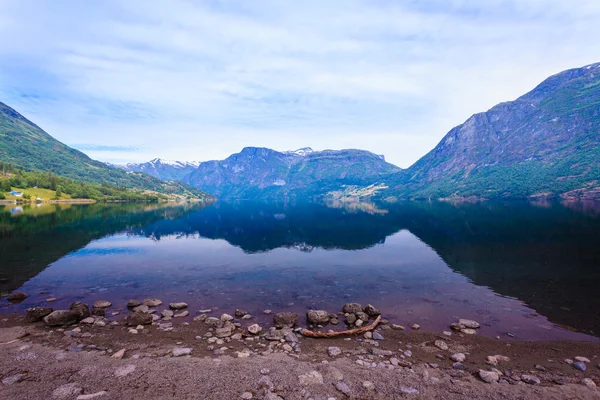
530,271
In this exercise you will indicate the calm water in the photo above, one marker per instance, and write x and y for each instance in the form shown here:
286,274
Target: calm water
531,270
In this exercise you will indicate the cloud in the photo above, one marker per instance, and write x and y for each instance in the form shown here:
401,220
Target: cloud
96,147
200,80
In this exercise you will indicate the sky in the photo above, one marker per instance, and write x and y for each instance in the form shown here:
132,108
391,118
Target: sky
128,81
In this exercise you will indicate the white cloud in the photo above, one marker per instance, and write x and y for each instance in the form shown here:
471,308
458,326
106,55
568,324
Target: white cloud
200,80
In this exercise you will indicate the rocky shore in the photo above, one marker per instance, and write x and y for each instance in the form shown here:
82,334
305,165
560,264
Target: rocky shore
148,349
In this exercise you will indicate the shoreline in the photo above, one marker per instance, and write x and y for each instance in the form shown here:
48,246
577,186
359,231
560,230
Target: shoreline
402,363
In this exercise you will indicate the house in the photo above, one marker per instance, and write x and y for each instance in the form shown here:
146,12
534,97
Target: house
16,193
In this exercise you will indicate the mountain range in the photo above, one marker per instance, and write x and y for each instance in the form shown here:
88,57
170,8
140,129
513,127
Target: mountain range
27,146
546,143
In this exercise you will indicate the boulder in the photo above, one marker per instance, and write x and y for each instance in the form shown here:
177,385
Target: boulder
351,319
37,313
139,318
254,329
133,303
101,304
285,319
152,302
80,310
317,317
352,308
371,311
17,297
60,317
178,306
240,313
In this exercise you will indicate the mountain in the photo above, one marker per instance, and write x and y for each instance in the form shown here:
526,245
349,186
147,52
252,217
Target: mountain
27,146
162,169
544,144
261,173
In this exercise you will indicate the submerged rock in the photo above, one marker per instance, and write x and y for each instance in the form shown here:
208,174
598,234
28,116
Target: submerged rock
371,311
17,297
285,319
317,317
152,302
37,313
101,304
133,303
178,306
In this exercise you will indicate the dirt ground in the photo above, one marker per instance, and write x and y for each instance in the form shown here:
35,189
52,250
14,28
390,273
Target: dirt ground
39,365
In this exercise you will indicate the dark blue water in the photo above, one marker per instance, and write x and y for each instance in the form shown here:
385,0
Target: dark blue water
519,268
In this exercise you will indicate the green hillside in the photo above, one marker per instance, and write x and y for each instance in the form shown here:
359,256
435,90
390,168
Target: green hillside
27,146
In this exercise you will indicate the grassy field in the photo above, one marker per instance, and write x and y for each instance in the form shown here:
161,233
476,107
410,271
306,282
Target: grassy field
45,194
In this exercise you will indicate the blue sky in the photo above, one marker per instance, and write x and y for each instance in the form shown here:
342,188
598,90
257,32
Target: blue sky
132,80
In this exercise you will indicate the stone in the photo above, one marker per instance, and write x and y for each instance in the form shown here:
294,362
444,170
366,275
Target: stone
368,385
378,352
100,322
287,347
378,336
133,331
582,359
290,337
17,297
101,304
181,351
80,310
489,376
398,327
440,344
254,329
98,311
311,378
88,320
580,366
50,299
285,319
124,370
459,365
352,308
139,318
38,313
142,308
416,327
167,313
267,312
226,318
351,319
468,323
67,391
334,321
9,380
447,333
317,317
368,335
468,331
60,317
240,313
133,303
246,396
182,314
119,354
359,322
212,321
589,383
152,302
343,388
334,351
530,379
201,317
223,332
371,311
91,395
178,306
364,317
408,390
458,357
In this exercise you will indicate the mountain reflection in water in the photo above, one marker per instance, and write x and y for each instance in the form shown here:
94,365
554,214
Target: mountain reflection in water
419,262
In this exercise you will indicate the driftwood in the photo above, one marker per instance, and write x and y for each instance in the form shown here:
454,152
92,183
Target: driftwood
356,331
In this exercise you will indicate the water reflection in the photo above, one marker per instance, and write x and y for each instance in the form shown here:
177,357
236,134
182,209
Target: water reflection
421,262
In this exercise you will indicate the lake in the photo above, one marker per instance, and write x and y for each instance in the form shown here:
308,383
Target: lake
523,270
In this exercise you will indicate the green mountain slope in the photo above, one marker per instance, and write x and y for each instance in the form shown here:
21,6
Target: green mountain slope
25,145
545,143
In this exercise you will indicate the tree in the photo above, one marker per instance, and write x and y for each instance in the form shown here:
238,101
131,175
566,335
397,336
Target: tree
58,192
